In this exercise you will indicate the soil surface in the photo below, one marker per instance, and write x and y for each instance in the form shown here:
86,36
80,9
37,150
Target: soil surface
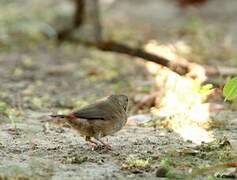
37,80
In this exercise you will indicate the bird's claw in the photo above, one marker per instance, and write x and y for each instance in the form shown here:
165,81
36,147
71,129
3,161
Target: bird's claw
100,146
93,146
108,147
105,145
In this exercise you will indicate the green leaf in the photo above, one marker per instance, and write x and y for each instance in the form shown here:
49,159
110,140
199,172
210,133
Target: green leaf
230,89
205,89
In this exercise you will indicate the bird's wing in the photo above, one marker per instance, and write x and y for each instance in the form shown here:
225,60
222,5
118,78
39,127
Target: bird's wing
93,112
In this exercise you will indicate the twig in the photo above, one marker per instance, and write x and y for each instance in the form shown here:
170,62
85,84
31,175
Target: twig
77,20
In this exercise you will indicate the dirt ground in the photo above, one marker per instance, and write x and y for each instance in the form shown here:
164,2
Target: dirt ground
40,79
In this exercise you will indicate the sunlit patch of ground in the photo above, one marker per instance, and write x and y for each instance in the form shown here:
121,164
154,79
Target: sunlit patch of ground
183,103
39,77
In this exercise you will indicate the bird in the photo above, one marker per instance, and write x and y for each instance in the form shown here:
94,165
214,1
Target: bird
102,118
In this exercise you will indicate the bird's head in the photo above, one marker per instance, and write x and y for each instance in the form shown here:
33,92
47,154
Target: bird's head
120,99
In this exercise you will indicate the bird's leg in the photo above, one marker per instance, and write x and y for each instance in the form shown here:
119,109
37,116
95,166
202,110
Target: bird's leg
104,144
107,140
107,145
94,144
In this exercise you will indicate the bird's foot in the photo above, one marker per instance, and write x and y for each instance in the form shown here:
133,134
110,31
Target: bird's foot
99,147
94,145
98,144
102,146
105,145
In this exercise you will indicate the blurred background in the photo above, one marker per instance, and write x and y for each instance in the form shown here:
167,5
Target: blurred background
171,57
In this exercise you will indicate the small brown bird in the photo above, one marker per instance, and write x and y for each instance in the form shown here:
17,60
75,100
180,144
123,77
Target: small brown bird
100,119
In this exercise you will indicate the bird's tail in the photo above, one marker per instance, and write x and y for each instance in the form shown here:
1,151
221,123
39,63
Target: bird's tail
58,116
68,117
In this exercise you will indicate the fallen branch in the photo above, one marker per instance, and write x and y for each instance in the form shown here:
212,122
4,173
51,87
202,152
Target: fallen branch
180,66
78,18
220,70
